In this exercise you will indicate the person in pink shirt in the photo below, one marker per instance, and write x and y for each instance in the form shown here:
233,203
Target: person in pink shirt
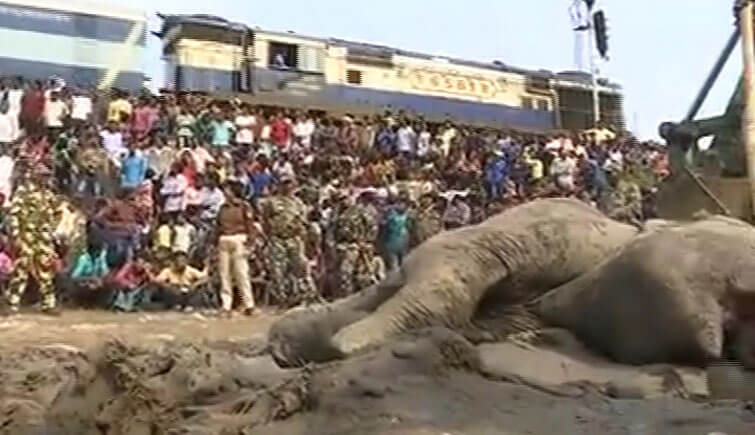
145,116
6,261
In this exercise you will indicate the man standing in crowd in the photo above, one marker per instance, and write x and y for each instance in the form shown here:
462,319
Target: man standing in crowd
245,123
356,232
133,169
427,220
285,220
56,111
280,131
112,141
120,109
236,233
7,166
32,225
32,108
396,230
222,131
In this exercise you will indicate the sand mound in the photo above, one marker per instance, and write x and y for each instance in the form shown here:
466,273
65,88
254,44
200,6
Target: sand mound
432,381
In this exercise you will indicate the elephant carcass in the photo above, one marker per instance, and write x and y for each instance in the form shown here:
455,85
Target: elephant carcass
663,297
514,256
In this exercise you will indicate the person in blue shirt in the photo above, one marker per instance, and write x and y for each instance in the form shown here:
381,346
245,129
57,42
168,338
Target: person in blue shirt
387,139
222,131
133,170
83,284
395,234
496,171
261,177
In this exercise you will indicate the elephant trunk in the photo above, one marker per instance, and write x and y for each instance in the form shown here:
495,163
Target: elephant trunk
446,296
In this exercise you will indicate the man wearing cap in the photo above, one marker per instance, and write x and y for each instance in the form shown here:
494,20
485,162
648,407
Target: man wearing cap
32,224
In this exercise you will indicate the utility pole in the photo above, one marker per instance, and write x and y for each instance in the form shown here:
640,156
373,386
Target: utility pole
594,72
746,15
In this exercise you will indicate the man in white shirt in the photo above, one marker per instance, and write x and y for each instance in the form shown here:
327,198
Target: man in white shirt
424,141
447,138
7,132
303,130
283,168
112,141
184,234
562,170
15,94
553,146
211,198
173,191
245,123
7,164
81,108
55,112
407,139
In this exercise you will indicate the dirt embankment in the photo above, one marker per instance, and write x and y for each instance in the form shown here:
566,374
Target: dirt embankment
432,382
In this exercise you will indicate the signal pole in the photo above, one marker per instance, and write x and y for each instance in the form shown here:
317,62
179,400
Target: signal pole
594,70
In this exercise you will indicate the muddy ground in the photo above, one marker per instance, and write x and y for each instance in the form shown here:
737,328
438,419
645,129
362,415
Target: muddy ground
101,373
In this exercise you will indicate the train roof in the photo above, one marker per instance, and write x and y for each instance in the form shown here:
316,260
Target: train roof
86,7
378,50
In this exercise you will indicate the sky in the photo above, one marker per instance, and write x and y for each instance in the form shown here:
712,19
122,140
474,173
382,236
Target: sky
660,50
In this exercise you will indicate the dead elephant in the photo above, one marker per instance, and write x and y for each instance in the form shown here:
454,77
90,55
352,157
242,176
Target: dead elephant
664,297
514,256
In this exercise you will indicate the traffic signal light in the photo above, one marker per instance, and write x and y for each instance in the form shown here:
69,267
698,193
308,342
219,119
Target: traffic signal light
601,33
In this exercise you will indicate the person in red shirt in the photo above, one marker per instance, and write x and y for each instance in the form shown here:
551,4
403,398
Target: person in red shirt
188,168
32,108
280,131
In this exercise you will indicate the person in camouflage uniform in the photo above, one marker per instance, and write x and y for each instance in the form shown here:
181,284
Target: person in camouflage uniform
285,219
627,202
427,220
356,232
32,221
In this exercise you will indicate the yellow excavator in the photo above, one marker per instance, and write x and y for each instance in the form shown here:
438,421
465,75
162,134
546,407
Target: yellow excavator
720,180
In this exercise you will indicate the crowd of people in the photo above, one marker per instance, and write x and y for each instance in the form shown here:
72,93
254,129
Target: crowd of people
141,202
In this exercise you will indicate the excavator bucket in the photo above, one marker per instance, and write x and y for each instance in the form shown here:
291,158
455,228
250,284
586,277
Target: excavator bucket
687,194
715,181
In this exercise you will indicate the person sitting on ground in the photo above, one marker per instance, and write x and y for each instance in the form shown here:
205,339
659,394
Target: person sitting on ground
128,280
457,213
84,280
177,284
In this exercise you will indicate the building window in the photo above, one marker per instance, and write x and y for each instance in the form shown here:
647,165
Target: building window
527,103
283,56
543,104
354,77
